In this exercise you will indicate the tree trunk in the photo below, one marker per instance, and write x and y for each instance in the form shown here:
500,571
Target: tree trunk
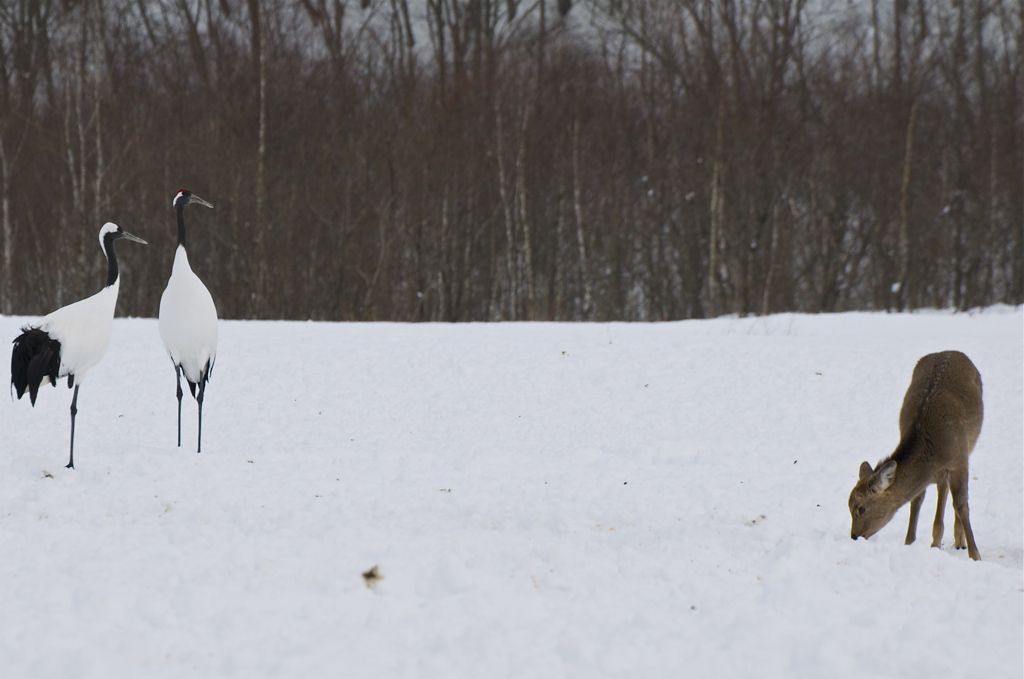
524,219
713,303
506,202
903,239
581,237
260,297
6,274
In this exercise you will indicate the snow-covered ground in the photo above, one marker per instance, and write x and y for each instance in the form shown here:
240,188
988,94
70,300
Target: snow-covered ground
541,500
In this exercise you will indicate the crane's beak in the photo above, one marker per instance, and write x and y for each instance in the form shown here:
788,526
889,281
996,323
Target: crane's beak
194,199
125,234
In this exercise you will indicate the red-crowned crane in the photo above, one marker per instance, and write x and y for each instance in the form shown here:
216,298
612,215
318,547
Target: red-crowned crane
188,319
72,339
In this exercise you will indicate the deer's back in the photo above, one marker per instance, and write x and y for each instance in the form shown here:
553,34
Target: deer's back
943,403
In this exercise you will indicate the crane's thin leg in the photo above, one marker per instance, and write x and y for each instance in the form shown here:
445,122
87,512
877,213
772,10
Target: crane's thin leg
199,400
74,411
177,373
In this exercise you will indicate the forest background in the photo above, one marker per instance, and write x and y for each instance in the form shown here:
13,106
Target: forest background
475,160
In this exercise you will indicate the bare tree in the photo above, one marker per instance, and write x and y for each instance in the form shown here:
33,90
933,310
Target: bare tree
497,160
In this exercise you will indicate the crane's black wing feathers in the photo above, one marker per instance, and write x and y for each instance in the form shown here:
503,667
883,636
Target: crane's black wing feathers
36,355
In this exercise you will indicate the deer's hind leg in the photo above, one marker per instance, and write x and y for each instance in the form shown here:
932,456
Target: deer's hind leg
958,488
958,533
959,541
942,490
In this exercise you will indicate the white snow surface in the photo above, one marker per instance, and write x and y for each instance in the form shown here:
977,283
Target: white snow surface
541,500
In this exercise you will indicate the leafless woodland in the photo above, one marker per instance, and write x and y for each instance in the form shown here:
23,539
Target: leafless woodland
475,160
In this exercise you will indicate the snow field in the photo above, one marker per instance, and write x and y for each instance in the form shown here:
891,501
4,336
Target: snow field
542,500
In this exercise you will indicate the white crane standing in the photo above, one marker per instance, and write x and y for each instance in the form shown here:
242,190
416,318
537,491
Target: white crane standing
72,339
188,319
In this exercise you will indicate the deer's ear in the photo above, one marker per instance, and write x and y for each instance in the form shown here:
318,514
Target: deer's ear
886,474
865,469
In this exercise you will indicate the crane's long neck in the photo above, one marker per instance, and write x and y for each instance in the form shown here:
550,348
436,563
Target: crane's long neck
180,210
108,250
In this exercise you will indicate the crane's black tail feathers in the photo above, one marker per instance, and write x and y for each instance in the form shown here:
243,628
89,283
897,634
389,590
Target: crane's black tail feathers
36,355
203,379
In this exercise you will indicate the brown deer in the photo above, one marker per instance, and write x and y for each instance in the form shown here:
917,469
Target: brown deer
939,424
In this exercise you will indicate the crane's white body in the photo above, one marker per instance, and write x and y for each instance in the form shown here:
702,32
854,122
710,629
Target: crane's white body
188,320
83,330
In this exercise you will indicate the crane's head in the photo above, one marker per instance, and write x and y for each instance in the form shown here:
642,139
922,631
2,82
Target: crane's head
114,232
185,197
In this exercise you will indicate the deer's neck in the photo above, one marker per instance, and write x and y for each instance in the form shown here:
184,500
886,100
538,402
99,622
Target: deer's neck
913,467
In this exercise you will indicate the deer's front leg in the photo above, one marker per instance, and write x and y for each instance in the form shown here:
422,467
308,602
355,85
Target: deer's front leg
915,510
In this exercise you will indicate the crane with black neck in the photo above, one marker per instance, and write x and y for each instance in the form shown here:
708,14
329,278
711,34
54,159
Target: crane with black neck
72,339
188,319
